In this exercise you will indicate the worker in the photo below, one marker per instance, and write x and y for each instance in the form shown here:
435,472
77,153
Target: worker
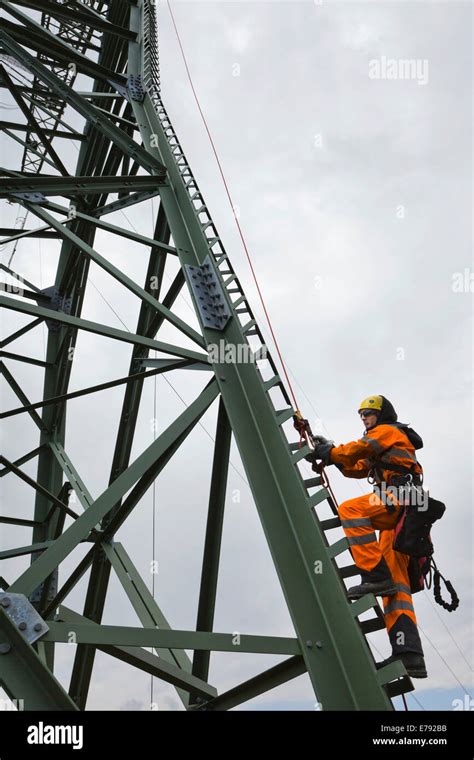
386,455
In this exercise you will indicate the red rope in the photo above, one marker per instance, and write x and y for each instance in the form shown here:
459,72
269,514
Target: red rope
233,212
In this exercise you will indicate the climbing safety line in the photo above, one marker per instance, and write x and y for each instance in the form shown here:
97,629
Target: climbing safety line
239,228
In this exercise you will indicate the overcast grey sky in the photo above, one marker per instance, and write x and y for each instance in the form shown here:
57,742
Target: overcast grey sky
355,197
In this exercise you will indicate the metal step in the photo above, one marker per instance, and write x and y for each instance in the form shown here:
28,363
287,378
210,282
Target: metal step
318,497
330,523
348,571
398,687
275,380
283,415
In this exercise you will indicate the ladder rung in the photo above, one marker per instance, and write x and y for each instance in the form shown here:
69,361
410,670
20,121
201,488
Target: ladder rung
390,672
310,482
318,497
283,415
294,446
269,384
248,326
242,311
365,603
374,624
400,686
332,522
234,290
301,453
348,571
339,547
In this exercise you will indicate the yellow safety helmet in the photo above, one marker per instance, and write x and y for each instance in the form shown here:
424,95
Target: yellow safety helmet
371,402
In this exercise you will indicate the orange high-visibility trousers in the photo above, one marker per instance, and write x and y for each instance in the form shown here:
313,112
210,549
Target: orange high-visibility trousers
377,560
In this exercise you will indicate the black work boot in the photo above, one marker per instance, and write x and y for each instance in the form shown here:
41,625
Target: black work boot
377,581
414,663
379,588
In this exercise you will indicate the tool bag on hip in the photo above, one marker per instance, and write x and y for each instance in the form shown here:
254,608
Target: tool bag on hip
412,536
412,533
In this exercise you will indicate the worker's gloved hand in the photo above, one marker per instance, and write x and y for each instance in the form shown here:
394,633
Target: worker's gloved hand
321,450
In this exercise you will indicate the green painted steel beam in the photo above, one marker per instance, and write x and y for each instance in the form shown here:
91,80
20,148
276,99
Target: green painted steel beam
48,184
213,538
160,668
39,232
72,273
126,202
117,274
22,550
21,460
18,521
28,146
98,329
17,276
36,37
33,123
24,676
82,106
23,359
20,332
20,393
79,530
38,487
166,367
120,513
145,605
61,134
71,582
72,475
113,228
163,667
270,679
109,635
78,13
148,324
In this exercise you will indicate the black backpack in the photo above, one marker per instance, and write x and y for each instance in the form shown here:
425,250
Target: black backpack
413,537
412,533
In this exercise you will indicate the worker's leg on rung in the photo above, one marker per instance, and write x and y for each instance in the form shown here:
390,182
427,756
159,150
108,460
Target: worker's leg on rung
399,611
360,517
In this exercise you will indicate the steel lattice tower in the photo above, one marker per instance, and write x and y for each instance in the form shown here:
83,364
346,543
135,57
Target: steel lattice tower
128,148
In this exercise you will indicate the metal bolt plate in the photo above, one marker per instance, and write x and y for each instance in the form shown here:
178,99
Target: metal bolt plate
209,295
22,614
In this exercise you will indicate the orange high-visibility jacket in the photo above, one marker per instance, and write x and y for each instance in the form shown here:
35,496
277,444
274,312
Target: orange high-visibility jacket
379,447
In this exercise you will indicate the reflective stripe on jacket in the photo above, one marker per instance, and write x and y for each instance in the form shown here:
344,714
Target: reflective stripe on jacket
379,447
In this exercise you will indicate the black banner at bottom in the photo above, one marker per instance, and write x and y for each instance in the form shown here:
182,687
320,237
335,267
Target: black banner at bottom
85,734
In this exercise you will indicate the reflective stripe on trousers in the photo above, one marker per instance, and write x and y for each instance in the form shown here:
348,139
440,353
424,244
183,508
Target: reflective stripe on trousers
360,517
